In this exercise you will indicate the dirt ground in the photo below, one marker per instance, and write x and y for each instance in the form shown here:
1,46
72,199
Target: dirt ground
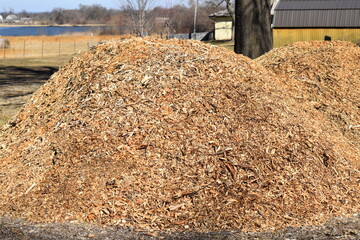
16,86
339,228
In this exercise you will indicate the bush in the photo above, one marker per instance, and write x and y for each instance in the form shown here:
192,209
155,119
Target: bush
4,43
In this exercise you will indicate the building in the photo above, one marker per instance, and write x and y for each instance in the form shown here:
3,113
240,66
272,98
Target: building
223,29
25,20
306,20
12,18
1,19
224,26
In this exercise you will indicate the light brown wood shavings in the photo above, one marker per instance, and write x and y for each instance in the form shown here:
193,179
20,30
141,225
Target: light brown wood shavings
324,77
173,135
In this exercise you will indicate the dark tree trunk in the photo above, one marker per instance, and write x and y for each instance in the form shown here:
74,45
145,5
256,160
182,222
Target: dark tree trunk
253,36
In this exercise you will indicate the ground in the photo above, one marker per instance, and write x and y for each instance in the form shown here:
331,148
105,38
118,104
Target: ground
339,228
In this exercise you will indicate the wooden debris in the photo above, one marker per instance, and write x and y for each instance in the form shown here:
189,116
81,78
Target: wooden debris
324,77
30,188
178,135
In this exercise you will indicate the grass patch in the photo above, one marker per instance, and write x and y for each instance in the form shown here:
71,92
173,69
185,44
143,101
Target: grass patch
226,44
44,46
36,61
8,112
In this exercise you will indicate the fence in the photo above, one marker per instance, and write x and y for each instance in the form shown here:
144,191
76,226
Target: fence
45,46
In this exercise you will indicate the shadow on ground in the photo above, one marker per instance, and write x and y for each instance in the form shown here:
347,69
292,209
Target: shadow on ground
17,84
10,75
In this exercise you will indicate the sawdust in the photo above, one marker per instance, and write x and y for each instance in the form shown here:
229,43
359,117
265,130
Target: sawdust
173,135
324,77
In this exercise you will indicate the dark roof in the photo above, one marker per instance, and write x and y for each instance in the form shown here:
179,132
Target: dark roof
317,4
317,13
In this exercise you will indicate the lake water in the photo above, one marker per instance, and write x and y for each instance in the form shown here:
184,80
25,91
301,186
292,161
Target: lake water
46,31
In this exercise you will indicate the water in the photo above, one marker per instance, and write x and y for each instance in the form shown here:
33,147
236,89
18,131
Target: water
46,31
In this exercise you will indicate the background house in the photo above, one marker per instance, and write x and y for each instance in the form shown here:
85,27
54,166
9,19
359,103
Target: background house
223,25
1,19
12,18
25,20
306,20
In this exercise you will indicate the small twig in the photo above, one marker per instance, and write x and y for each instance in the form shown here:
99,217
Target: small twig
230,168
30,188
195,59
354,126
185,194
129,197
223,151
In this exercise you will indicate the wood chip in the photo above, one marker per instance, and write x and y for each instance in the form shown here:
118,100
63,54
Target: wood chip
179,135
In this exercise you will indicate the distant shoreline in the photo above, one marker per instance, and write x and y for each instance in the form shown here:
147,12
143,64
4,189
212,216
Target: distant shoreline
63,25
51,30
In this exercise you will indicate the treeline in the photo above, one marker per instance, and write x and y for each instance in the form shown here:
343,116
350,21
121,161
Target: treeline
176,19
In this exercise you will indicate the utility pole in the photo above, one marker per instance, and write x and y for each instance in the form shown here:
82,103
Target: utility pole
195,17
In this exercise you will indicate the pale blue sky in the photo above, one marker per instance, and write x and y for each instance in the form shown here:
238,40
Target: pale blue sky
49,5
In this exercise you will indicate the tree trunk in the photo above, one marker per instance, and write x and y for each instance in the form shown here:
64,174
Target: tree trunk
253,36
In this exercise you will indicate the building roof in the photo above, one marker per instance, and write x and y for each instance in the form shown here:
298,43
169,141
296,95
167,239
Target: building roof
11,16
222,13
225,12
317,4
317,13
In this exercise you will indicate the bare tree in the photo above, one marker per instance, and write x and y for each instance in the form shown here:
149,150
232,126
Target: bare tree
58,15
137,10
253,36
94,12
229,7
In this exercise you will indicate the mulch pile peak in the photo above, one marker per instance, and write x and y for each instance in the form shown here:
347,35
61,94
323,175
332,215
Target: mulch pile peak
174,135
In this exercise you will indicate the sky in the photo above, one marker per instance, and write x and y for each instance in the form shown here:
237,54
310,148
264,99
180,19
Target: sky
49,5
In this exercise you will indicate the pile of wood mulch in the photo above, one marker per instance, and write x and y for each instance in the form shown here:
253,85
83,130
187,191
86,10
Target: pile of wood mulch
174,135
322,76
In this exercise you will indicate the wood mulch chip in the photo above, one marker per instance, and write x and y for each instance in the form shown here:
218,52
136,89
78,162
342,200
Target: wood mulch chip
179,135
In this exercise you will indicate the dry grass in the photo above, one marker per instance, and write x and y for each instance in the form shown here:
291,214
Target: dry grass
226,44
42,46
29,62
